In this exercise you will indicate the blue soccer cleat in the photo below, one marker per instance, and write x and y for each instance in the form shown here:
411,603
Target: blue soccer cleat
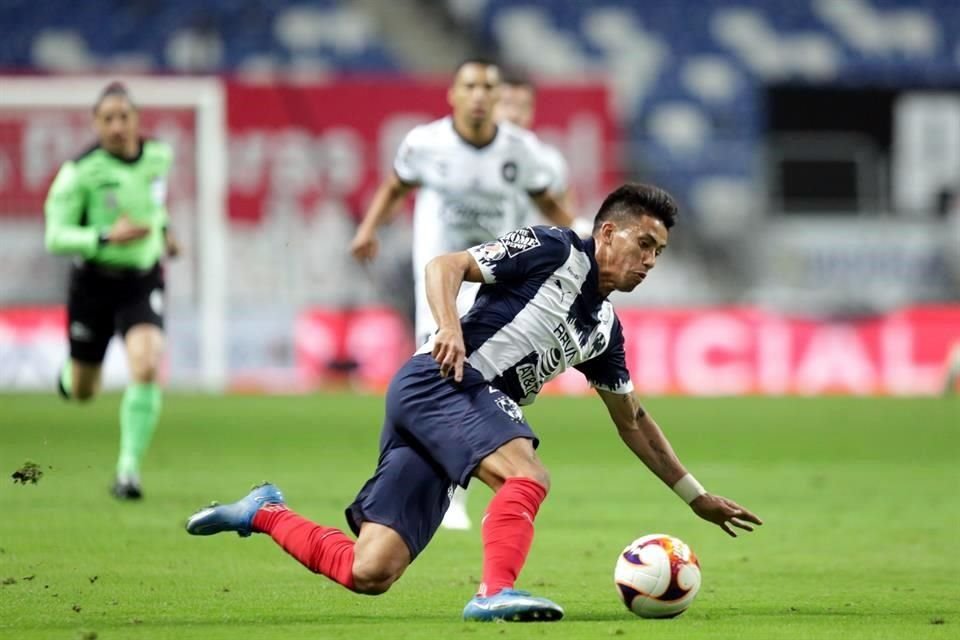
512,606
237,516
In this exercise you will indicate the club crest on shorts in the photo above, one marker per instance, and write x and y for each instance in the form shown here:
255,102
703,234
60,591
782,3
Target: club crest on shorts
156,301
509,407
80,332
520,240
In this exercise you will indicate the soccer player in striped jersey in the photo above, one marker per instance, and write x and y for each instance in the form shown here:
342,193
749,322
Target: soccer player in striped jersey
453,411
517,106
107,208
475,179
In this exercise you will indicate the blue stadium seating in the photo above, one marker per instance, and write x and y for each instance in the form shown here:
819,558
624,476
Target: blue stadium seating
827,45
111,27
705,60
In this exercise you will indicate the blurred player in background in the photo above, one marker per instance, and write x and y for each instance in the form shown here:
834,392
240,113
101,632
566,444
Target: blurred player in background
474,178
951,249
107,208
453,411
518,106
952,375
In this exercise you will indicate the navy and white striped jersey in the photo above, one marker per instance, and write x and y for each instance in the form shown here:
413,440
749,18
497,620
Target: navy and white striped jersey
539,312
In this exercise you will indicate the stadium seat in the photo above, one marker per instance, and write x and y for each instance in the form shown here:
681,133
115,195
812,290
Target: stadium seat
179,35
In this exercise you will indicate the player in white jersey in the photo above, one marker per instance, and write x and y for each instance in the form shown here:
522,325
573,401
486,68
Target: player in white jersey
473,176
518,105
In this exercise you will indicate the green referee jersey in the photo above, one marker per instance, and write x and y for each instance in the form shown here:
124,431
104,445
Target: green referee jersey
93,190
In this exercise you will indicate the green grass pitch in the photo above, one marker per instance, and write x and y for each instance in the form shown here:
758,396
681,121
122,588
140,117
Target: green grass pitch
860,499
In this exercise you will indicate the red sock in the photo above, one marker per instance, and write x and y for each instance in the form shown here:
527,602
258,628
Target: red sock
507,532
323,550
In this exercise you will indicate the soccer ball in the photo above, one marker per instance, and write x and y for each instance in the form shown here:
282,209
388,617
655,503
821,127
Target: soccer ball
657,576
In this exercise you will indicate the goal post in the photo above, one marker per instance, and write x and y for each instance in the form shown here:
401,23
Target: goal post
205,98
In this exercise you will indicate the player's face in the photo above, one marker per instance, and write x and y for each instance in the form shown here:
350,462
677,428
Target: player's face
628,250
116,124
475,90
516,105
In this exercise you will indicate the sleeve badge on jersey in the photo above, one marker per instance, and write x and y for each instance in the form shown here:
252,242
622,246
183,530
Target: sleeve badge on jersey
158,189
516,242
493,251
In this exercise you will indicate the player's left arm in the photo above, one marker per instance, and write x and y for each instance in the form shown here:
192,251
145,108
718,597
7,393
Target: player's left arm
170,242
158,193
640,432
551,208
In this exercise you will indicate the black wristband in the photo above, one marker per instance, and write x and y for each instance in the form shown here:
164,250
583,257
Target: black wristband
103,238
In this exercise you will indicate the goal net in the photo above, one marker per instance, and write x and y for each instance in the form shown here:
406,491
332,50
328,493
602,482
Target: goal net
45,121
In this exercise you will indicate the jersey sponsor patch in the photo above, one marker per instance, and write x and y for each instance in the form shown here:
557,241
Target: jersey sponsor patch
520,240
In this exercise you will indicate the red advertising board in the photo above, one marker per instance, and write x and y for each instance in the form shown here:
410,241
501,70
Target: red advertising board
711,351
735,351
309,144
35,142
334,142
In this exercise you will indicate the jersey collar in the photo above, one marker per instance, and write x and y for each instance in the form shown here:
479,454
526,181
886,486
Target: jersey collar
132,160
591,285
496,132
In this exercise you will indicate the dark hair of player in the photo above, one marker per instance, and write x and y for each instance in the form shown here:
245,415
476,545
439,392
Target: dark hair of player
113,89
480,60
634,199
513,77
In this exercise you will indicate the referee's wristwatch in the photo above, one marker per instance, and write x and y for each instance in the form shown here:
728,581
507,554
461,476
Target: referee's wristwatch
103,238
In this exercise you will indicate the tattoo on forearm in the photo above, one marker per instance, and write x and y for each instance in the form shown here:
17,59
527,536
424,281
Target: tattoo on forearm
640,413
658,449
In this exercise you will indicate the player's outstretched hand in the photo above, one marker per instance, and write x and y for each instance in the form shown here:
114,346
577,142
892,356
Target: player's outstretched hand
450,352
724,513
364,245
125,230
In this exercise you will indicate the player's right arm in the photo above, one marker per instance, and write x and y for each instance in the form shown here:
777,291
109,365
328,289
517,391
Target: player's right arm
643,436
63,211
390,192
406,176
444,275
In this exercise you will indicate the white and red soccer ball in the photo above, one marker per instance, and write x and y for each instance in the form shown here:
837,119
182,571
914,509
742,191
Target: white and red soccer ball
657,576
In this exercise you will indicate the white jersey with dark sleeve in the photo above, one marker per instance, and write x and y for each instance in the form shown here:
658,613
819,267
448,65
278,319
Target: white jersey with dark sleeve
539,312
467,194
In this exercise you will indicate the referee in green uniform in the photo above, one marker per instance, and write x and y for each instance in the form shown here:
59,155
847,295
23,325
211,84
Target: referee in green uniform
107,208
